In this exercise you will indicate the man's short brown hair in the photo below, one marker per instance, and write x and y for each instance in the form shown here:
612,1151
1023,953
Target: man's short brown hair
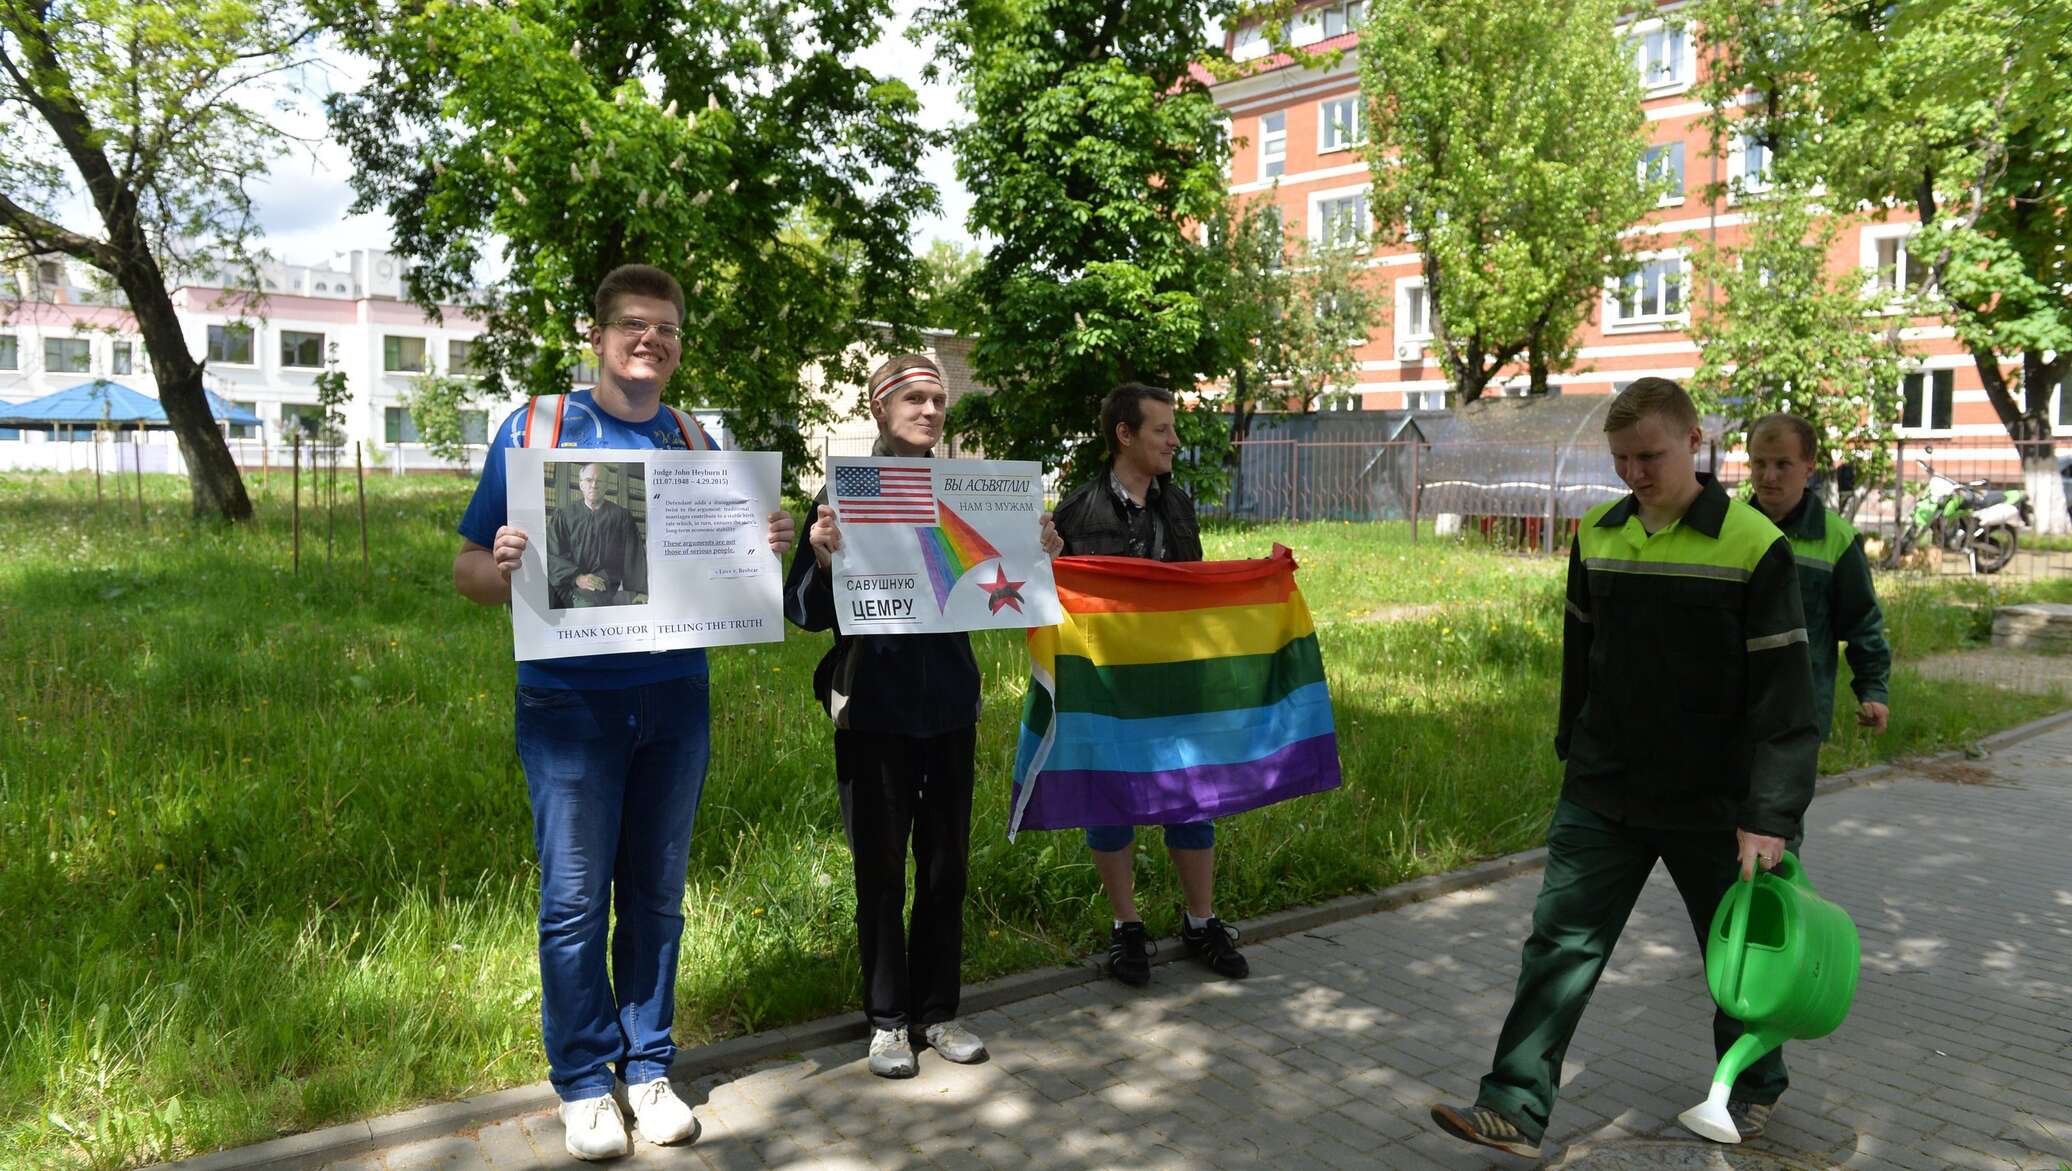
636,280
1651,396
1809,442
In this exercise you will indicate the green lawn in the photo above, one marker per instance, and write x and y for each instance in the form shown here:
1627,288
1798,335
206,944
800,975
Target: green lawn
265,855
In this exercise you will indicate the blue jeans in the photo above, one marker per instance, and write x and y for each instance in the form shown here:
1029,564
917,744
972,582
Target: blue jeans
1192,835
614,777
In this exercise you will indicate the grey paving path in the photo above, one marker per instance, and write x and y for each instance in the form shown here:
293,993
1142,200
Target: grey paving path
1958,1055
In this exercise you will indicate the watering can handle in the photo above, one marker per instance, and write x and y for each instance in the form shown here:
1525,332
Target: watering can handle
1737,940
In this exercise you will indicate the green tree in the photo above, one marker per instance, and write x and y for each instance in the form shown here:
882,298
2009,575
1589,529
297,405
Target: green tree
1954,110
1785,334
158,113
1506,139
438,404
739,146
947,299
1091,153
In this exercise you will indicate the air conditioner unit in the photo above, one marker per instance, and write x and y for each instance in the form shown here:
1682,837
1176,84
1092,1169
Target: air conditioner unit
1409,351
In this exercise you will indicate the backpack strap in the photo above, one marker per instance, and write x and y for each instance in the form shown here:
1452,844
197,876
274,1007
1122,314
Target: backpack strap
540,410
694,436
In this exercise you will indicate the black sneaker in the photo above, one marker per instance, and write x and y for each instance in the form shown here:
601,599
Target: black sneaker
1129,954
1215,945
1484,1127
1749,1117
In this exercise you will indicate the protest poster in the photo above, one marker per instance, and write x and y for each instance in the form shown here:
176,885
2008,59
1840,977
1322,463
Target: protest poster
643,550
938,545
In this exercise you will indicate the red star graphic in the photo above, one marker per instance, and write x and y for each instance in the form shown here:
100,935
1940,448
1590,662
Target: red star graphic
1002,592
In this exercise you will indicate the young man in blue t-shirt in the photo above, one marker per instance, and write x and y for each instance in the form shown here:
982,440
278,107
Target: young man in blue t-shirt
615,749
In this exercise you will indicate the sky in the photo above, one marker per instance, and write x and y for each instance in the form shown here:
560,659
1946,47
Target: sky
303,200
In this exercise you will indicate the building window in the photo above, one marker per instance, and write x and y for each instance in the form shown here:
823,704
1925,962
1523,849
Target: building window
230,344
1249,43
1424,400
1344,18
1664,164
302,350
1930,396
50,274
2065,401
1653,292
1658,55
585,373
1342,221
1273,144
243,430
1748,164
1341,400
402,354
1338,123
400,427
1413,311
460,358
307,419
474,427
122,359
68,355
1893,266
10,352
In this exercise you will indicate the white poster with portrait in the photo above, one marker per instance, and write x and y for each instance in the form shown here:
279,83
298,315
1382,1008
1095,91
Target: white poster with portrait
936,545
643,550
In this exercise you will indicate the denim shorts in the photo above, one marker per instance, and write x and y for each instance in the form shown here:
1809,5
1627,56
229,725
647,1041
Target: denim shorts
1190,835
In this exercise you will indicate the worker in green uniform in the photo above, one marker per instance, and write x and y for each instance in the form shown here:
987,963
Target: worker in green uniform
1834,575
1687,735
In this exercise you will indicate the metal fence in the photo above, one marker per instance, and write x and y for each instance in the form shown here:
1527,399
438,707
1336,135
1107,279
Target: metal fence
1530,496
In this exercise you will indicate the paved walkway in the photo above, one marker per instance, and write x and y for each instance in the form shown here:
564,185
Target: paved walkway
1958,1054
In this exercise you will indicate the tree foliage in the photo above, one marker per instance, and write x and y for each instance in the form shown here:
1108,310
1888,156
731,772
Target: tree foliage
739,146
157,112
438,405
948,300
1091,152
1785,334
1955,110
1505,140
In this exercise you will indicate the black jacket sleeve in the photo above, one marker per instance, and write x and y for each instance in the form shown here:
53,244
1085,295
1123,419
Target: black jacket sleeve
1576,633
809,594
1783,736
1860,623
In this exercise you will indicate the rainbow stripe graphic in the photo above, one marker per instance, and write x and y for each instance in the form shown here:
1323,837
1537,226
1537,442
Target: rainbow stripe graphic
1172,693
951,548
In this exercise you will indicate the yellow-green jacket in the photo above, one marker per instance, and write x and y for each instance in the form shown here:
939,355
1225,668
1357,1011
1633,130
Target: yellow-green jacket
1835,590
1686,686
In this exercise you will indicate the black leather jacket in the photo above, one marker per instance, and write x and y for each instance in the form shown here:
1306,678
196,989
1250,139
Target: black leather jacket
1095,524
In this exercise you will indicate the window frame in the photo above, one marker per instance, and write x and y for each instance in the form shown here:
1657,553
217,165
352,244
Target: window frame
223,333
1615,322
321,339
1409,290
1740,145
13,348
77,345
461,368
1273,146
1320,222
1328,123
122,358
1683,62
1937,383
1903,258
423,353
1674,151
291,413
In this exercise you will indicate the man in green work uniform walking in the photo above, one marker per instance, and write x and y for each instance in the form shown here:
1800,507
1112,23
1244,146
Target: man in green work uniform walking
1834,575
1687,733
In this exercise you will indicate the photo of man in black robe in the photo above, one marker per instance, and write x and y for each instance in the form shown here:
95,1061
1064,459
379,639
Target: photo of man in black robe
596,555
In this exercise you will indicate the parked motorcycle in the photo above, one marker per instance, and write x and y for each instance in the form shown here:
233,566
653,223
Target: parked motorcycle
1968,518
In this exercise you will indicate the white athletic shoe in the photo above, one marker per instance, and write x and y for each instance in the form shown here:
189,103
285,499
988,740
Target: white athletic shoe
595,1129
662,1117
955,1042
891,1054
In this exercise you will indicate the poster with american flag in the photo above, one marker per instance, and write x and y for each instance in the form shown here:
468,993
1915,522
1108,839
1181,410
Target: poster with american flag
931,546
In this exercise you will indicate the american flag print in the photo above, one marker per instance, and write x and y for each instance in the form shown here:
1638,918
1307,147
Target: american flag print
870,495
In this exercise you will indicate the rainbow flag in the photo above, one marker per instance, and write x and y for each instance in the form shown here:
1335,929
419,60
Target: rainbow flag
1172,693
951,548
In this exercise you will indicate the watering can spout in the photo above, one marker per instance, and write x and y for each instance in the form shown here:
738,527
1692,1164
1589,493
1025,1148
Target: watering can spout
1783,961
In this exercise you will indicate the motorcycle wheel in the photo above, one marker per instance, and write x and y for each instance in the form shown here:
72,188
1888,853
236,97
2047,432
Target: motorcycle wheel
1994,546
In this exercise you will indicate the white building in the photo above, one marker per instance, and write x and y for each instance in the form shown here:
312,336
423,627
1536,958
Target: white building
62,329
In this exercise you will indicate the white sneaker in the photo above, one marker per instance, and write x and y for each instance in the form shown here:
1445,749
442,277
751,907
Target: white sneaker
594,1128
662,1117
955,1042
891,1054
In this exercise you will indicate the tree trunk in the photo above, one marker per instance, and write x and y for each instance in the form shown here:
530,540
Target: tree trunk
212,476
2028,425
1536,362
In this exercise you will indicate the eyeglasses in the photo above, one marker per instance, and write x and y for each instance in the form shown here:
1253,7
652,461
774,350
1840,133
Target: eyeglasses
634,327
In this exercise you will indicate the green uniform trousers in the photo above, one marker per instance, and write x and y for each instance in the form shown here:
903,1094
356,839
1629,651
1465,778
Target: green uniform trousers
1595,871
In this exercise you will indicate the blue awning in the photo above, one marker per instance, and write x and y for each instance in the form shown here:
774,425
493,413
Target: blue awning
90,404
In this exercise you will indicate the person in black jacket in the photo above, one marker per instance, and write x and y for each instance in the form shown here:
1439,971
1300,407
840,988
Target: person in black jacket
906,710
1133,509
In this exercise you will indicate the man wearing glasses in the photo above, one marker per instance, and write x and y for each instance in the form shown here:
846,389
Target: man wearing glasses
614,748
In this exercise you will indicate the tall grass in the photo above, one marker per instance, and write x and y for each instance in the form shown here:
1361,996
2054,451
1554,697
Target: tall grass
265,854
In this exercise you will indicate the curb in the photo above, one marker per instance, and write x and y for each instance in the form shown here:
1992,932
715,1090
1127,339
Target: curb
317,1147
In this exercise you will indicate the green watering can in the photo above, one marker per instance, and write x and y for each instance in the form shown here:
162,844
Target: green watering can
1781,960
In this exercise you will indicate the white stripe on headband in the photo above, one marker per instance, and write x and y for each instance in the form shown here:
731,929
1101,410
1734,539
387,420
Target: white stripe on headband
917,374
